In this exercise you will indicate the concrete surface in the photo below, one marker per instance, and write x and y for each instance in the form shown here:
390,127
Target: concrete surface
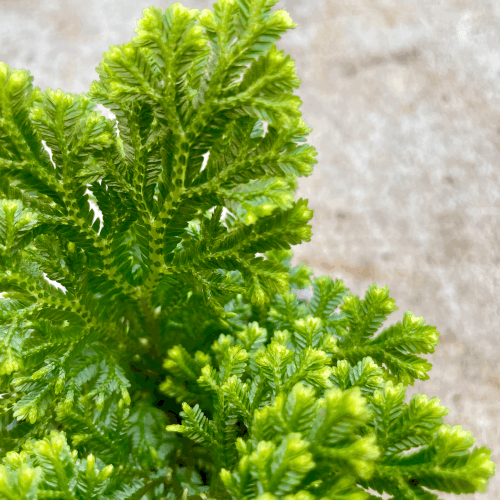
404,100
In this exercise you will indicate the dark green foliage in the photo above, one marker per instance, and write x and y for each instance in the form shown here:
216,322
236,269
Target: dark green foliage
164,352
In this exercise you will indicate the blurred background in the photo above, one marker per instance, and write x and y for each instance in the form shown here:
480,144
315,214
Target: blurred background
403,97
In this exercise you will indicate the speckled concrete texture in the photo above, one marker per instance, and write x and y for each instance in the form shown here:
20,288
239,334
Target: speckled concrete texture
404,100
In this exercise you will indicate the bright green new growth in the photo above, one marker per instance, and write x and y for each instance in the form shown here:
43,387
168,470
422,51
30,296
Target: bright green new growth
178,360
323,416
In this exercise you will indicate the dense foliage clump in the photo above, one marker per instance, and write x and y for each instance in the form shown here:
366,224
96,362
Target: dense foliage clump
162,350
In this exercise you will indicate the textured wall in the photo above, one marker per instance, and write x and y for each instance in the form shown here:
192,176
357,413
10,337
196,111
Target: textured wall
404,100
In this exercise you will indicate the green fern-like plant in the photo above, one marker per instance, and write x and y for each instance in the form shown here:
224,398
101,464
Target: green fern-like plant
158,346
330,390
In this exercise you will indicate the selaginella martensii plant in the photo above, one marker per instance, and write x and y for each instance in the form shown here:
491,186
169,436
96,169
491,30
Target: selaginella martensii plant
184,293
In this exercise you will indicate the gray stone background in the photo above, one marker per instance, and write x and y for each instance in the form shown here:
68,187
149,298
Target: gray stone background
404,100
